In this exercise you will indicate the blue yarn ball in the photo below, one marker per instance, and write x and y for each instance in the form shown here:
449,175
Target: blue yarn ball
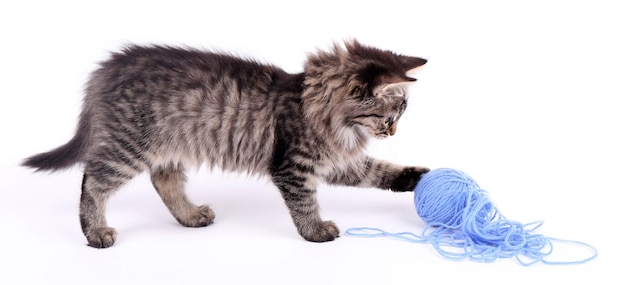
459,215
450,199
443,195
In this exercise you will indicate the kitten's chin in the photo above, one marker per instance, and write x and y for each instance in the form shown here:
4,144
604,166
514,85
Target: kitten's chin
380,136
377,135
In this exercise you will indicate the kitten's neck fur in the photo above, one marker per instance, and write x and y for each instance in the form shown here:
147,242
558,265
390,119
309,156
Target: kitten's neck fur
323,89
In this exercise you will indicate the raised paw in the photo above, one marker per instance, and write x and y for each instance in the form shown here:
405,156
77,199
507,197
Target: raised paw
101,237
408,178
320,232
201,216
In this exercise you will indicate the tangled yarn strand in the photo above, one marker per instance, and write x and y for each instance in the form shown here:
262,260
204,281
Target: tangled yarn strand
462,223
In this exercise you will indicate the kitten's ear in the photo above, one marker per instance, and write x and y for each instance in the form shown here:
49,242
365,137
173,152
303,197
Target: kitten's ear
410,63
387,79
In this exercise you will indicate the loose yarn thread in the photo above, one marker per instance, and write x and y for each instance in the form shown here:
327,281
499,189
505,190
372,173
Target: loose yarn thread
462,223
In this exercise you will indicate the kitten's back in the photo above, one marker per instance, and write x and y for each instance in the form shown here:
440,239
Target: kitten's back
155,105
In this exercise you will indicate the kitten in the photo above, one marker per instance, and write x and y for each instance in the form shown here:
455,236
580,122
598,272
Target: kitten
165,109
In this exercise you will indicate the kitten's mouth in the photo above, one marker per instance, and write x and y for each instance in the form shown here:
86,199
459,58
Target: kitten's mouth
384,133
381,135
378,134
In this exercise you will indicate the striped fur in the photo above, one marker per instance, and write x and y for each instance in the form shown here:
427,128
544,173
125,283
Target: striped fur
164,109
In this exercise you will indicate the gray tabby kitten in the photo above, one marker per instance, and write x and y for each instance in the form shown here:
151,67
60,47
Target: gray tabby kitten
166,109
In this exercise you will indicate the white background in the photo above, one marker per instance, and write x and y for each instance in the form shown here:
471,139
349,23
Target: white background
525,97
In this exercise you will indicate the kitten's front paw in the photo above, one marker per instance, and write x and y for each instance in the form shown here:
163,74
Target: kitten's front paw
320,232
101,237
408,178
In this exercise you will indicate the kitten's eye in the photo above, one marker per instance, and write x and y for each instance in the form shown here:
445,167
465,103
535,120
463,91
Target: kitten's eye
389,120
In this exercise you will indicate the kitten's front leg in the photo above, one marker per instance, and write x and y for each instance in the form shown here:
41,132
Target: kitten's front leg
299,192
370,172
406,179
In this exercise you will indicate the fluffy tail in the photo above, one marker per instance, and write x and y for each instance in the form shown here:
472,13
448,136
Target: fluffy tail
65,155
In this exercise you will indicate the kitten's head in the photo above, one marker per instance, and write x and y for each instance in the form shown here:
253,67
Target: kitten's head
355,91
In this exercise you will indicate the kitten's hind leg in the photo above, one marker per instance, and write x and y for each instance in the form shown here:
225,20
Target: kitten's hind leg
97,187
105,173
169,181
